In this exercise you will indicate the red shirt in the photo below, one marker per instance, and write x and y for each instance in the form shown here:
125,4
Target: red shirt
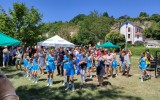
98,53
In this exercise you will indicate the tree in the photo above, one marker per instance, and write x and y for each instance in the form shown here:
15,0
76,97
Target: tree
155,17
94,13
116,38
105,14
93,29
143,14
78,18
6,25
153,31
124,17
27,23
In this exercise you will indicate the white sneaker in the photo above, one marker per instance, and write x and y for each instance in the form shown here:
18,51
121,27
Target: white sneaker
66,88
91,77
4,66
50,85
47,85
141,80
73,89
36,82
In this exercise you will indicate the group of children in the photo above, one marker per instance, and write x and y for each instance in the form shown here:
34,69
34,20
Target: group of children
80,62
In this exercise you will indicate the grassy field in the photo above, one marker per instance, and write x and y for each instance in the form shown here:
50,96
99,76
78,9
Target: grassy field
118,88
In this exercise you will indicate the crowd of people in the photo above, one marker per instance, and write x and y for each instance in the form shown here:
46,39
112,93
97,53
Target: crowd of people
71,61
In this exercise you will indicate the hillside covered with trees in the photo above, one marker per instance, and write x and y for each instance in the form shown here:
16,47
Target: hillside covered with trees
25,24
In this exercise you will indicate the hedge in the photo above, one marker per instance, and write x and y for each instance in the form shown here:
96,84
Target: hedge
137,50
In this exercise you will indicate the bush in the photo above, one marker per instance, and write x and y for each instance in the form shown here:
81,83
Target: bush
137,50
135,45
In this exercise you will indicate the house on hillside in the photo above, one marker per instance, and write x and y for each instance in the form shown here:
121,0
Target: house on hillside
132,32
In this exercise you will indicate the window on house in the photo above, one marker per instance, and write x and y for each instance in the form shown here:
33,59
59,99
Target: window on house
140,30
129,36
137,30
137,36
129,29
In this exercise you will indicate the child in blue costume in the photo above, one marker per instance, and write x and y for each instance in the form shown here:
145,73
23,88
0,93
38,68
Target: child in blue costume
78,58
65,66
70,73
25,65
50,67
114,66
35,68
89,64
30,69
142,66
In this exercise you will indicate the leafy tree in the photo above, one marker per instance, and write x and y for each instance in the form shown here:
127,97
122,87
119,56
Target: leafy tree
27,23
143,14
116,38
105,14
93,29
155,17
94,13
153,31
6,25
78,18
124,17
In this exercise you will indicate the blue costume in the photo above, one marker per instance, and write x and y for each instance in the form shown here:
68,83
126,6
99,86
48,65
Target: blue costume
35,65
70,69
30,66
142,64
78,58
65,65
89,63
25,62
51,65
114,64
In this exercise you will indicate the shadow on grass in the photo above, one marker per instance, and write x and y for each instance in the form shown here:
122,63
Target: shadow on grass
42,79
16,75
88,92
8,69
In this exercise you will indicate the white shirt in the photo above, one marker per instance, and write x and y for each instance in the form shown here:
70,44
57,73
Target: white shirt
109,59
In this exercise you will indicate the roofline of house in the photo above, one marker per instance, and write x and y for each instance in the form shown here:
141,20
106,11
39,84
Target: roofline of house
130,23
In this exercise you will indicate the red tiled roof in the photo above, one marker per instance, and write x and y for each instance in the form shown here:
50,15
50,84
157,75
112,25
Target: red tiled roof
138,33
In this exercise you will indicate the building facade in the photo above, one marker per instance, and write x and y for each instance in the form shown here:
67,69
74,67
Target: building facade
132,32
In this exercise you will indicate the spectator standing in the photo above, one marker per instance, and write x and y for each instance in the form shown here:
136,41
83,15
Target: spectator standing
5,56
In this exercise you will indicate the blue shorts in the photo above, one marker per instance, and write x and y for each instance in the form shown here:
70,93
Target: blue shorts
65,66
70,72
50,69
35,68
5,59
77,70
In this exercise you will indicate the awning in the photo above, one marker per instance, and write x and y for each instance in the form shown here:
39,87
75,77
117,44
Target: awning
7,40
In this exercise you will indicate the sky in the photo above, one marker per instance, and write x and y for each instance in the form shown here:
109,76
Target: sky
65,10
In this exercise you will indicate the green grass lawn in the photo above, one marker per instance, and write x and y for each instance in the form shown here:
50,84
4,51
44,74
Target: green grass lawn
118,88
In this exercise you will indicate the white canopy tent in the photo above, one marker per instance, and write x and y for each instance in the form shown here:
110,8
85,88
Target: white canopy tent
56,41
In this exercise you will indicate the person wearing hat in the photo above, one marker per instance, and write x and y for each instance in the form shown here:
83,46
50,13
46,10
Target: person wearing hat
5,56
